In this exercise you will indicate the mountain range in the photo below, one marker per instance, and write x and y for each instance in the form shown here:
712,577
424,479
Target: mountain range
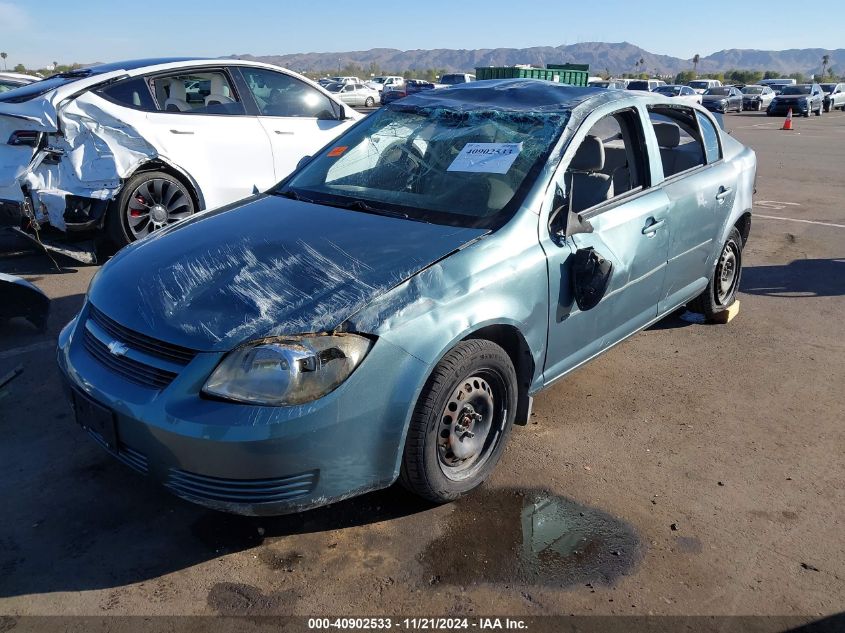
616,58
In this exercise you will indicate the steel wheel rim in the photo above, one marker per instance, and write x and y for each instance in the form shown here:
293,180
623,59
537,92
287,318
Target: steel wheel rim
727,272
156,203
471,424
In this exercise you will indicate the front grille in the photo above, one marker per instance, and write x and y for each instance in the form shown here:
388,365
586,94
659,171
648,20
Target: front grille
141,342
241,490
139,373
129,456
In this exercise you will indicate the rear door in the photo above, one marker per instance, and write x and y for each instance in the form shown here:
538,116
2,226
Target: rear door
700,187
298,118
629,229
225,150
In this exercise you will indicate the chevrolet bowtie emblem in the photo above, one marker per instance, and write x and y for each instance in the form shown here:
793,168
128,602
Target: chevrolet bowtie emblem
117,348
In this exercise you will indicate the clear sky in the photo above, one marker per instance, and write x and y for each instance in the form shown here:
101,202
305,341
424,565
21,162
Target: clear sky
37,32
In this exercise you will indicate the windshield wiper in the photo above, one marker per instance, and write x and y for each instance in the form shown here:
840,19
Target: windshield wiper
290,193
360,205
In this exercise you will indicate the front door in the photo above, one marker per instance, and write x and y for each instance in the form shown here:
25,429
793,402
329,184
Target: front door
298,118
629,229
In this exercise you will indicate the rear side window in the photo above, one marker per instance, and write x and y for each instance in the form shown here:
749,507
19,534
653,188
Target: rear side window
133,93
197,93
679,139
710,136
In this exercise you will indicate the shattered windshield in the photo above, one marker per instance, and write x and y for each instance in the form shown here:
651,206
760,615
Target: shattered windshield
433,164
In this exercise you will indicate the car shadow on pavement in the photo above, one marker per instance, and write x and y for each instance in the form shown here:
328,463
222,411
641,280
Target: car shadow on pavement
799,279
81,521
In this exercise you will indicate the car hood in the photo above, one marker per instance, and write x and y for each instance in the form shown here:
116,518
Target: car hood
265,267
791,97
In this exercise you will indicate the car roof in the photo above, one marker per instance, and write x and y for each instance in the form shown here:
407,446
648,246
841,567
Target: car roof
518,95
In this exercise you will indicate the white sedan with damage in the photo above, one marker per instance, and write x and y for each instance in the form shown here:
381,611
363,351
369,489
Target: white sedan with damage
126,148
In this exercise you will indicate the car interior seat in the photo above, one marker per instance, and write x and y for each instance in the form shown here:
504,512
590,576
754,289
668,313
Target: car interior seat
177,100
219,94
675,158
588,185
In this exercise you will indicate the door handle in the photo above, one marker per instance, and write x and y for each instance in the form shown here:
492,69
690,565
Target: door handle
182,131
652,226
284,132
724,192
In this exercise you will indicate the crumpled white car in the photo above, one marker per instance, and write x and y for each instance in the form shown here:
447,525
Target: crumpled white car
130,147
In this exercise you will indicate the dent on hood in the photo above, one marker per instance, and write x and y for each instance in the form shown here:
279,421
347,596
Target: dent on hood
95,149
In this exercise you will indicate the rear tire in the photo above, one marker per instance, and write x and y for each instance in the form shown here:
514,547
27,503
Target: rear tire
473,388
723,285
369,102
147,202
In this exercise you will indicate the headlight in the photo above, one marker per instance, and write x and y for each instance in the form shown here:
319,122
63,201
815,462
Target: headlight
285,371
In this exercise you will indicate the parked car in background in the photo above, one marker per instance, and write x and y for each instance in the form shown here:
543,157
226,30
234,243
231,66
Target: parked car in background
10,81
723,99
385,82
417,85
777,84
803,99
702,85
366,320
345,80
611,84
356,94
756,97
645,84
453,79
389,95
834,96
170,137
681,93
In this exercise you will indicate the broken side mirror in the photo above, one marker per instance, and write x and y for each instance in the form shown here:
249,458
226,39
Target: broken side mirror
590,277
565,222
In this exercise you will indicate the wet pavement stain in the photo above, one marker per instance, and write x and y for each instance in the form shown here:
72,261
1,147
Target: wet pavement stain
531,537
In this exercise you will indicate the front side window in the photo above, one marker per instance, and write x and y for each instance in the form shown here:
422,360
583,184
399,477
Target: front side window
679,139
197,93
435,164
609,162
278,94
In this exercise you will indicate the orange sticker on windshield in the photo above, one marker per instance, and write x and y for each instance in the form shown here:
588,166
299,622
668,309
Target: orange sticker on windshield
337,151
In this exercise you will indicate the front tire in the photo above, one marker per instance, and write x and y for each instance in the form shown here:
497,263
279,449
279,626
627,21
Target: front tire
721,290
147,202
369,102
461,422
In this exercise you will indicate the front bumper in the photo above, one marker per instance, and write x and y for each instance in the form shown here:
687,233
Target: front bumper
715,106
752,104
783,108
248,459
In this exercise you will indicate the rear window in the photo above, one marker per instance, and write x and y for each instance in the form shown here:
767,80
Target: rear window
638,85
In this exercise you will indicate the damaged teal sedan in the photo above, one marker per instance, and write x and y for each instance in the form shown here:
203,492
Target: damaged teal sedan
390,309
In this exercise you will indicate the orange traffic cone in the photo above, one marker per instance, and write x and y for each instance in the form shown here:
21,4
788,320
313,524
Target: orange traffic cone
787,125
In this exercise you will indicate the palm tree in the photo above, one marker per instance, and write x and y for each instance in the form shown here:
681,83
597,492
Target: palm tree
4,56
695,59
642,64
825,62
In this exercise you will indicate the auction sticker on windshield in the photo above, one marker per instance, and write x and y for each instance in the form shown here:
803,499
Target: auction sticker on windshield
486,158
